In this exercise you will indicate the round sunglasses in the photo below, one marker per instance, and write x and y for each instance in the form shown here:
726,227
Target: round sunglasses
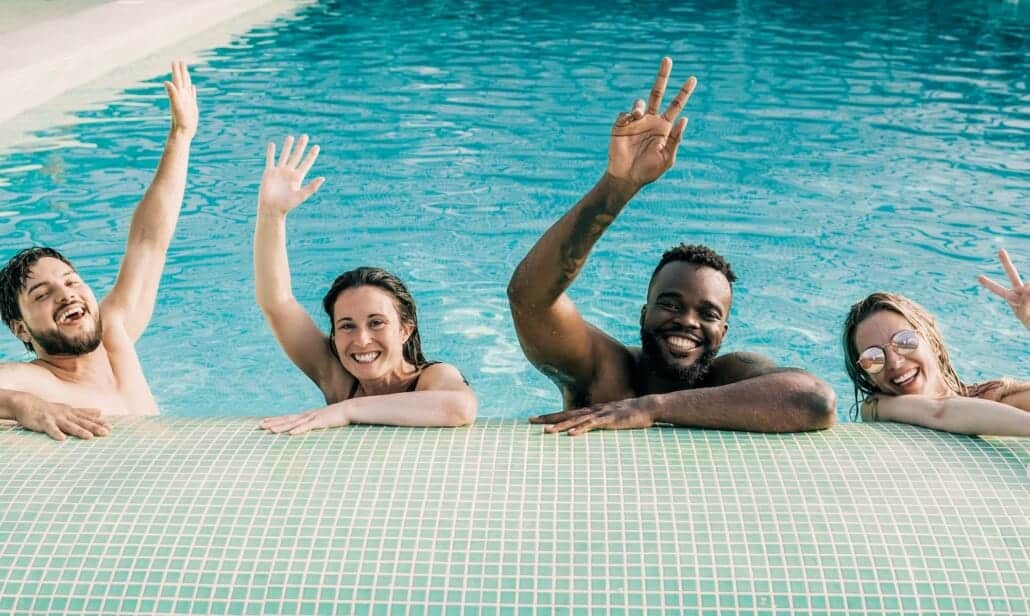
903,342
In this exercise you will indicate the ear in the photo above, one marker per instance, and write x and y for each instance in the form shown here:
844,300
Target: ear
22,332
643,313
406,330
725,328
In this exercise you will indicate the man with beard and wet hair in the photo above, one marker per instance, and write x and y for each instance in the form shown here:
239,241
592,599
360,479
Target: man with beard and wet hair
86,365
676,376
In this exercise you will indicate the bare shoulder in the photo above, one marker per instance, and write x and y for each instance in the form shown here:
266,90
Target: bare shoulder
25,376
441,376
738,366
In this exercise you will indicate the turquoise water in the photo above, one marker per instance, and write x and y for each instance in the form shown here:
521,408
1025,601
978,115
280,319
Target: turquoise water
831,152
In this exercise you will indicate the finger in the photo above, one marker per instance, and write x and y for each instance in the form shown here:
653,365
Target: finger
298,151
177,77
313,187
1010,269
292,423
658,90
571,423
173,94
994,287
592,424
270,155
309,160
186,79
677,104
551,418
637,111
623,119
282,419
94,427
70,427
54,432
305,426
287,146
672,144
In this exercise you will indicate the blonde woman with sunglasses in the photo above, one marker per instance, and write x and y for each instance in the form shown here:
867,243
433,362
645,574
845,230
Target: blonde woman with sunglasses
896,358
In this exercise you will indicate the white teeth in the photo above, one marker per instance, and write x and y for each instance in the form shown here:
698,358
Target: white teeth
365,358
908,376
69,313
681,344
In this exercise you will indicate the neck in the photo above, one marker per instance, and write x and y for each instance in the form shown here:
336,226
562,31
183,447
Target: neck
391,382
90,367
649,381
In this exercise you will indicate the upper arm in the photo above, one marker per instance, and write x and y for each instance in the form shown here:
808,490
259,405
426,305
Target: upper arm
559,342
305,345
134,294
739,366
442,377
1019,396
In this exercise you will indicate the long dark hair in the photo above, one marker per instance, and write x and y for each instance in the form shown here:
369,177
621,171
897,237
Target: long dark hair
402,300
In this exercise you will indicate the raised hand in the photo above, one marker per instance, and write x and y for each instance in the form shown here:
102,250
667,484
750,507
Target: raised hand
617,415
1018,297
281,189
182,95
643,144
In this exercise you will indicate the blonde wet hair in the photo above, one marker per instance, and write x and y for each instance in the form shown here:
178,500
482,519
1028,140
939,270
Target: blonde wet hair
922,322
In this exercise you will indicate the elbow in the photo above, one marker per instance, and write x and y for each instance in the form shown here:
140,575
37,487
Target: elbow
815,402
463,413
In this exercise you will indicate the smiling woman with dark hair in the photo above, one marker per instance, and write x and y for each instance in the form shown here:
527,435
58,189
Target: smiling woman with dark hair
897,360
370,367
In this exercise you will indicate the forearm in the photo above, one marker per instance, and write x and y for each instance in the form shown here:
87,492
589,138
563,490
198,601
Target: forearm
272,284
787,401
158,212
418,408
972,416
14,402
558,257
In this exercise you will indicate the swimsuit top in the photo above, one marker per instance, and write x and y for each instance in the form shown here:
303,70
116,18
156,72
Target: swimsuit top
411,388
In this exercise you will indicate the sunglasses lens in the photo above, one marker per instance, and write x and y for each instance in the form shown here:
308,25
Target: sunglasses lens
905,341
871,360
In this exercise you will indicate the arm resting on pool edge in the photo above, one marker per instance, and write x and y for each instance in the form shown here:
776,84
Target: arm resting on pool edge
786,400
960,415
441,400
132,299
55,419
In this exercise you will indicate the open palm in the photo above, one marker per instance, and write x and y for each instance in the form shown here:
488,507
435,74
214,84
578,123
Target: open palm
643,143
282,186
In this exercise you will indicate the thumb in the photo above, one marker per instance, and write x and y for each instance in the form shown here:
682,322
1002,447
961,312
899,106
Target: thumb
312,187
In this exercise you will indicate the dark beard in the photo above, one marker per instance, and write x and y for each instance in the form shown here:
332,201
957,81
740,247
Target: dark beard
687,377
55,343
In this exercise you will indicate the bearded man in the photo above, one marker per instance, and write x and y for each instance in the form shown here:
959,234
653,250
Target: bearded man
676,376
86,365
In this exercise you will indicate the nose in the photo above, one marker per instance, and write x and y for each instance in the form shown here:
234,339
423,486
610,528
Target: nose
362,335
891,357
65,295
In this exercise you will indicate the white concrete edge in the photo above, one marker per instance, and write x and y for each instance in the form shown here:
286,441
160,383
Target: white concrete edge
90,55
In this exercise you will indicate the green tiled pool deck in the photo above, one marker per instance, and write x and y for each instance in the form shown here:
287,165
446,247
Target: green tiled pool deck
213,516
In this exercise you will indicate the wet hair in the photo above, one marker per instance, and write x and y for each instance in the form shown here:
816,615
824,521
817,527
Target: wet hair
402,300
698,255
922,322
13,277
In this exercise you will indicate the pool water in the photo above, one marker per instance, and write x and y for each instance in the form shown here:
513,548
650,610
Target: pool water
831,151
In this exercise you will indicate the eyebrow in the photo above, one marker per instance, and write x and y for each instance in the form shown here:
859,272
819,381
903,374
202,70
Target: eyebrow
45,282
374,314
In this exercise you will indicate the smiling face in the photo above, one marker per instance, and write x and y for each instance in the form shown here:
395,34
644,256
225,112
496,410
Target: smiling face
917,372
368,333
684,321
59,313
